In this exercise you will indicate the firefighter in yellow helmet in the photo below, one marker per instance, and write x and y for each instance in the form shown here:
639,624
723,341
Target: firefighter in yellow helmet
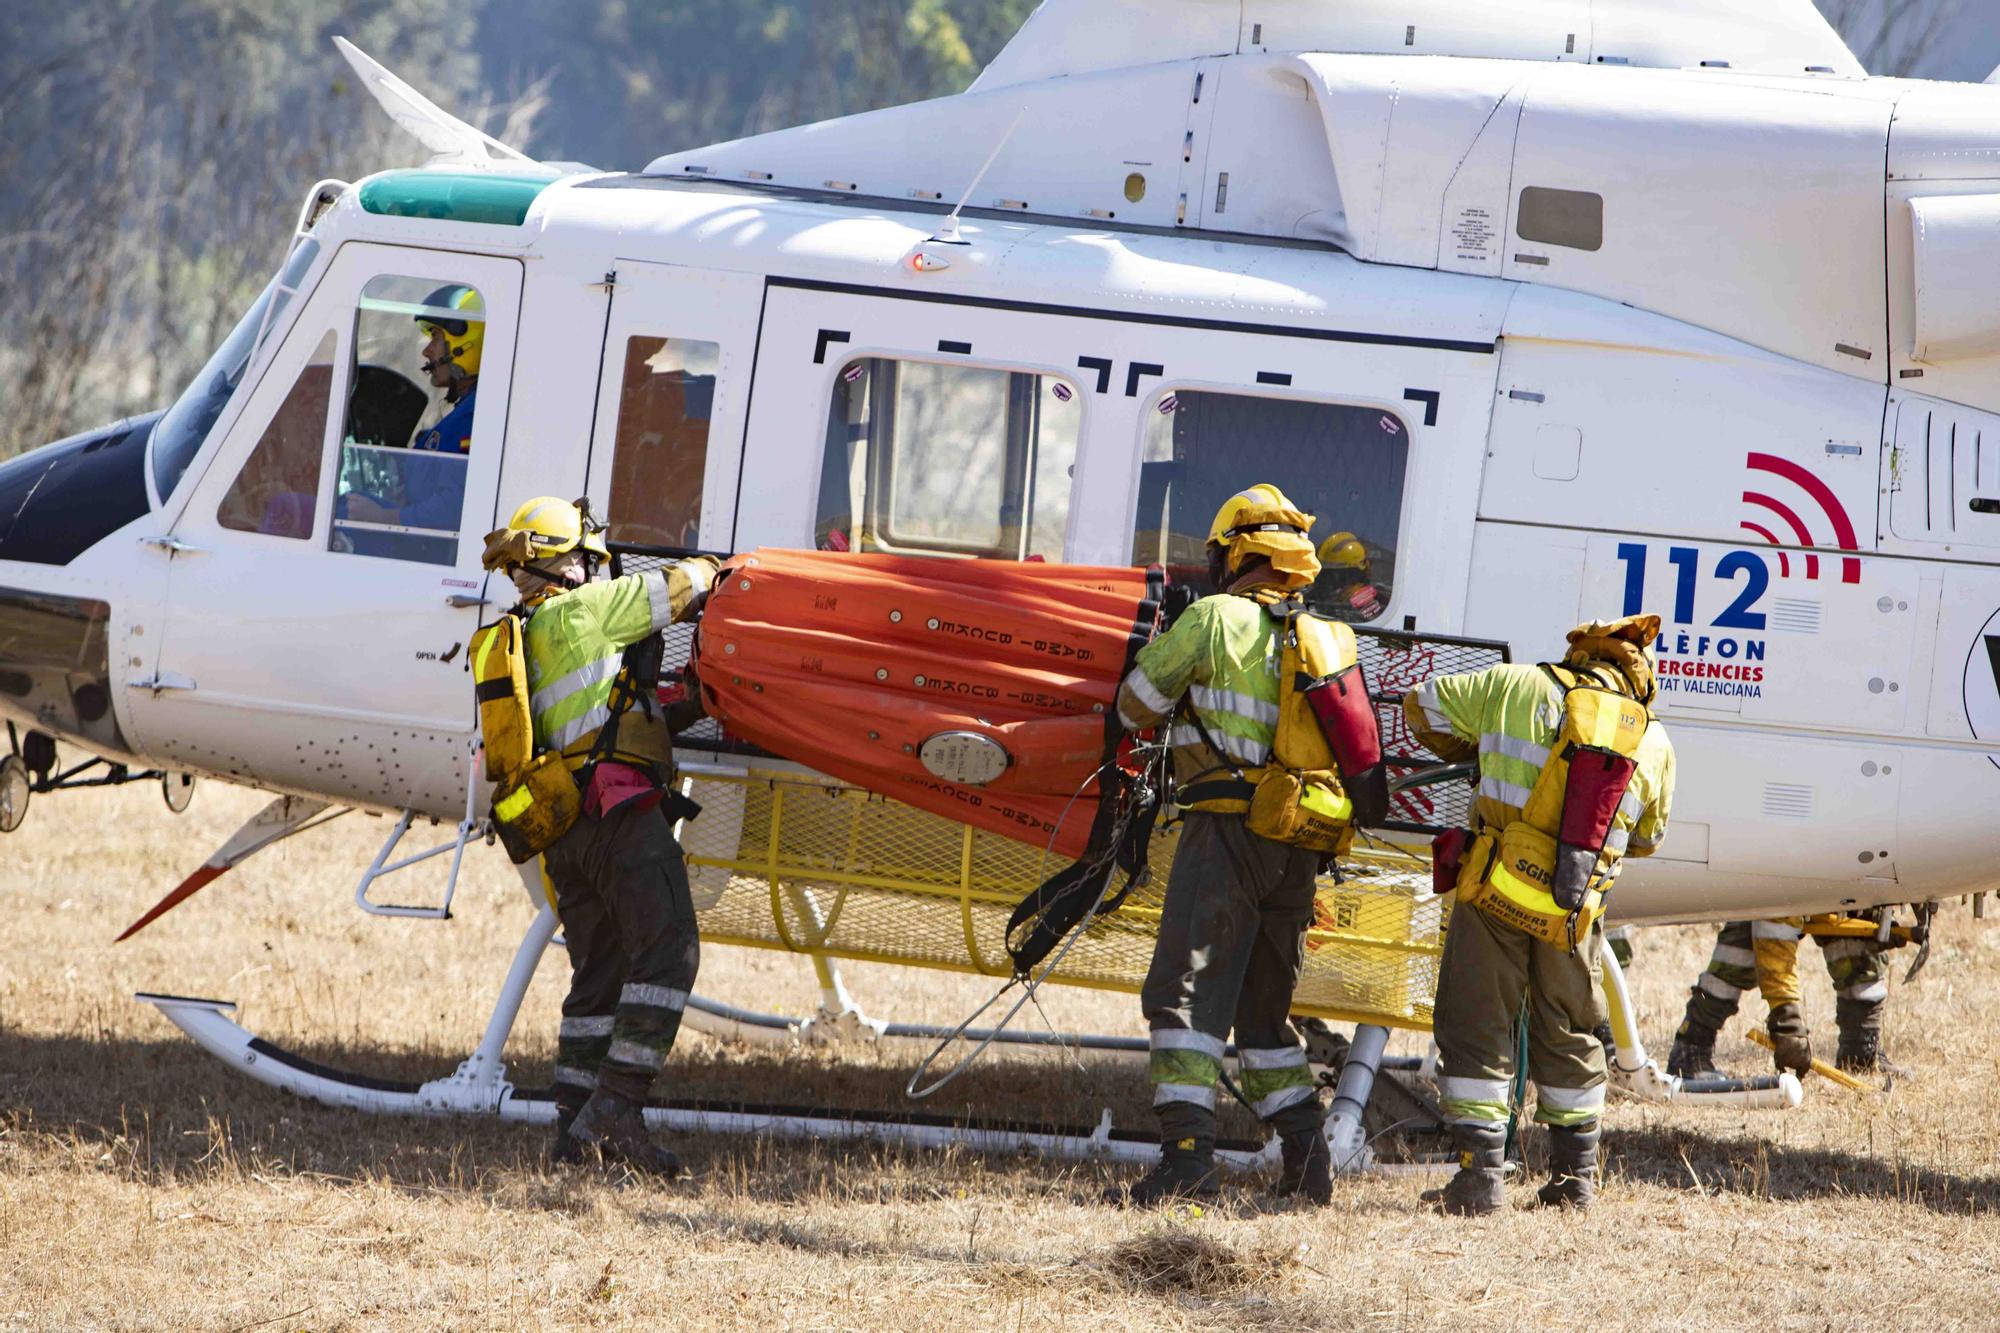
1574,775
1345,589
1232,929
620,880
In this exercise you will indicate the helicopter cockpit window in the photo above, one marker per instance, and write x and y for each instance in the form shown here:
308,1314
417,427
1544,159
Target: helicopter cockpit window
1341,463
179,436
408,433
277,492
660,455
949,459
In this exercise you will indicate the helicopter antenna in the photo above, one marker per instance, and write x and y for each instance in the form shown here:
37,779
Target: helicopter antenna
948,232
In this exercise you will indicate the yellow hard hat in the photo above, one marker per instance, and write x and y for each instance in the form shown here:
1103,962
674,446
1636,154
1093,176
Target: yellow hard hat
464,338
1263,494
541,528
1625,643
1638,630
1261,521
1343,550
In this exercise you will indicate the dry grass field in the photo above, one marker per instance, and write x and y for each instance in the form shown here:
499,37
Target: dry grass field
143,1186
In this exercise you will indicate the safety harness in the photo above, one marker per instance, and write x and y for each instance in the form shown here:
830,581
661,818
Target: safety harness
1325,773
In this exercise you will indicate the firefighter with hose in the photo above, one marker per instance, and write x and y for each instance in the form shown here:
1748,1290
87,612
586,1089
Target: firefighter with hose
594,795
1240,895
1574,775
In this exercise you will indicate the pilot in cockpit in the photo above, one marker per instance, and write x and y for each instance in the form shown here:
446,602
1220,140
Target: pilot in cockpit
451,354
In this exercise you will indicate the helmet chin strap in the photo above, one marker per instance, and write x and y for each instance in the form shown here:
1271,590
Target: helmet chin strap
555,581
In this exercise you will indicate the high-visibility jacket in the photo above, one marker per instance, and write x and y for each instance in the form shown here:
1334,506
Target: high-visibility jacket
575,641
1508,715
1222,654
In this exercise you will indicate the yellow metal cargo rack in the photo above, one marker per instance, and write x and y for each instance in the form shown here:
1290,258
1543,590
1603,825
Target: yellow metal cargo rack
785,860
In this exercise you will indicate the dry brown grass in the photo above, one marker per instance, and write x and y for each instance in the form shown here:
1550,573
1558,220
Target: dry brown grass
143,1186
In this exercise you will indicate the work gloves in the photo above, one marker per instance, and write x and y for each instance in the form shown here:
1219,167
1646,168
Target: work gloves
1791,1045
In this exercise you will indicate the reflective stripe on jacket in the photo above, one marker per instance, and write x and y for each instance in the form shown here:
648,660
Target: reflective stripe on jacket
575,641
1510,713
1222,656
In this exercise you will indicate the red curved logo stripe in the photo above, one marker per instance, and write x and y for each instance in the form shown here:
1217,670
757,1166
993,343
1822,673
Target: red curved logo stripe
1784,561
1822,494
1798,527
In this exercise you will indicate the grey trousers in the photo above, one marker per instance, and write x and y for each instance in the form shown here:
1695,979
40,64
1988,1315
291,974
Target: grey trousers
622,895
1231,942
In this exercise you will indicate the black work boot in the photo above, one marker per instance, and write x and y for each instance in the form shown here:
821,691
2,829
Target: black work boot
1480,1186
1860,1023
1693,1061
616,1127
564,1149
1187,1161
1308,1162
1860,1052
1572,1168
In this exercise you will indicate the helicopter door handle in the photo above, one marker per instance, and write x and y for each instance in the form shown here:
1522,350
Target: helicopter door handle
462,599
171,544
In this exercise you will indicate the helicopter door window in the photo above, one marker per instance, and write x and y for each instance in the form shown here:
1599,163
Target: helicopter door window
277,492
408,434
660,454
1342,463
949,459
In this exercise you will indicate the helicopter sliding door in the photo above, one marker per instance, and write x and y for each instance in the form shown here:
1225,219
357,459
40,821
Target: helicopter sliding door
326,578
670,407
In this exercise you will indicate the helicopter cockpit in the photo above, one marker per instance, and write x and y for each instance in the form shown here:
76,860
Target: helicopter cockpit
400,477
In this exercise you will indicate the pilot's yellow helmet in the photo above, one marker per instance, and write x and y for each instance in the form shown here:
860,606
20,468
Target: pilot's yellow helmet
541,528
1343,552
1261,521
464,338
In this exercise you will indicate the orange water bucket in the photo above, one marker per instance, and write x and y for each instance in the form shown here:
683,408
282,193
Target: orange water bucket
981,690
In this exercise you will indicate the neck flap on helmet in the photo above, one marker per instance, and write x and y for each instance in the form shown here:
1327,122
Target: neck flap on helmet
1278,533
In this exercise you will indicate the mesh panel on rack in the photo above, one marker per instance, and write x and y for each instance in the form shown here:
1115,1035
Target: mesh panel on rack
792,861
705,735
1396,662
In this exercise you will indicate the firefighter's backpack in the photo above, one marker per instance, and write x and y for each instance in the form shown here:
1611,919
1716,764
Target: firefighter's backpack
1565,829
1326,773
535,797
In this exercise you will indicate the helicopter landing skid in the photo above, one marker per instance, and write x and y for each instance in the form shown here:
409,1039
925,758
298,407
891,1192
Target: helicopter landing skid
480,1087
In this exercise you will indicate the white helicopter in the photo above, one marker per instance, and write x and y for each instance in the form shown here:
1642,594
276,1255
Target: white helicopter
1556,309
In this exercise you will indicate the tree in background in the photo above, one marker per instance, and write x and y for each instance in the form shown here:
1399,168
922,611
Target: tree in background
156,151
634,79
